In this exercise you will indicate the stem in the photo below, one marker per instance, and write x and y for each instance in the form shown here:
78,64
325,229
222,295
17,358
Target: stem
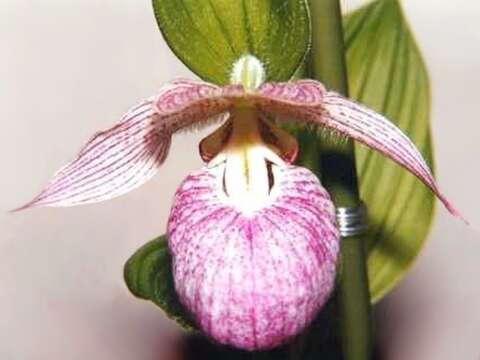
339,177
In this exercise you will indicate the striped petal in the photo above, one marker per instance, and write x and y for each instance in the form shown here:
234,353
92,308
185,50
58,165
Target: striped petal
294,93
333,111
377,132
128,154
253,281
190,103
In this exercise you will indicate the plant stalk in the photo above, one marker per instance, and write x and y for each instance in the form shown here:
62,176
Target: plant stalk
339,177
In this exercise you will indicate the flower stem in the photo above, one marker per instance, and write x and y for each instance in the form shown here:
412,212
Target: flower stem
339,176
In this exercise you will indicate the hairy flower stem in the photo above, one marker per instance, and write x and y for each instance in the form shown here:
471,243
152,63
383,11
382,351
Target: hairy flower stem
339,177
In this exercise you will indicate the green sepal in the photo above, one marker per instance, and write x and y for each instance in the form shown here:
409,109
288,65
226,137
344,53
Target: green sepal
208,36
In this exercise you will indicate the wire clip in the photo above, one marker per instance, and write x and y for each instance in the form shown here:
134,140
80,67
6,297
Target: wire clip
352,221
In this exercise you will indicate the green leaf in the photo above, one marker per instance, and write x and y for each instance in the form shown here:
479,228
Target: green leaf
387,73
210,35
148,276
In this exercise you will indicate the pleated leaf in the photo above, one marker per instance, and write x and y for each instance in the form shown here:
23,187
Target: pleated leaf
387,73
148,276
210,35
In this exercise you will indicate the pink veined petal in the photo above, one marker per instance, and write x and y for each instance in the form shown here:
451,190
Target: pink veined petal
119,159
351,119
185,103
377,132
296,93
112,162
253,281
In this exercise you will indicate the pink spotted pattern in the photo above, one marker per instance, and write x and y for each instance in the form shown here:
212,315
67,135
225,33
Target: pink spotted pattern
254,281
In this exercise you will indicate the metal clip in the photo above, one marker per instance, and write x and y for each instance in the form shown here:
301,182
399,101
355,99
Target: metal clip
352,221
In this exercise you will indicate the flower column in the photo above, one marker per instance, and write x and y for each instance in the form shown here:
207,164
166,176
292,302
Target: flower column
339,176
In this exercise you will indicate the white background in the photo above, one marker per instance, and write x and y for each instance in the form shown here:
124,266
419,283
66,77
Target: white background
70,68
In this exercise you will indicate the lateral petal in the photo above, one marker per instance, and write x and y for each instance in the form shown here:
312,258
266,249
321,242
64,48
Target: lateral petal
377,132
125,156
301,102
112,163
294,93
185,103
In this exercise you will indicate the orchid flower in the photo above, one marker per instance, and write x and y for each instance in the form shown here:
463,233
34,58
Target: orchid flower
253,238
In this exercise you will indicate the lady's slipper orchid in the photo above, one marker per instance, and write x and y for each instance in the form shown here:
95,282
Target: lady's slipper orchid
253,238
